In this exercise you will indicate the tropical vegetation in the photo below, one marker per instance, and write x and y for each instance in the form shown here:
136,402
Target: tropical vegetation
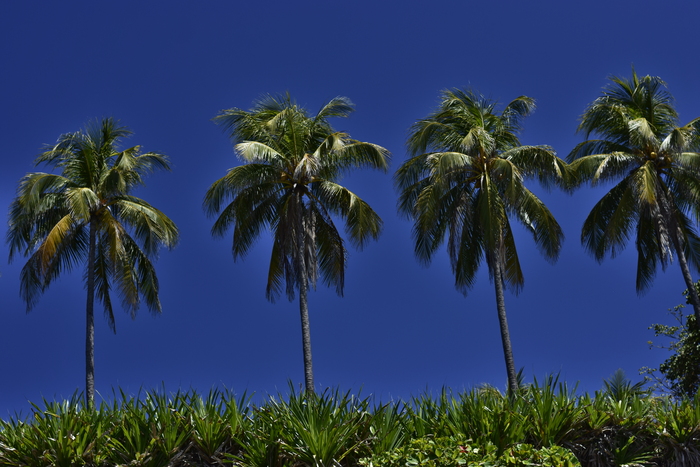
679,374
288,184
655,164
465,179
543,424
87,215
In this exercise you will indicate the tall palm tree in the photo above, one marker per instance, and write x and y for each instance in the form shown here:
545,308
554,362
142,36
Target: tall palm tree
465,179
288,184
86,215
658,167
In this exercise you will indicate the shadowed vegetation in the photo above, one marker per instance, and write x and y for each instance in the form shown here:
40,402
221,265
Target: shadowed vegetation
546,424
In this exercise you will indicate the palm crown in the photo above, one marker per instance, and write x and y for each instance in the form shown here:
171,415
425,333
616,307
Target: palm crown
467,175
658,167
51,217
288,183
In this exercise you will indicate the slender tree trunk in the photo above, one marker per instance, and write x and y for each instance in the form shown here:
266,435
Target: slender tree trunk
90,322
678,240
505,334
692,291
303,299
306,337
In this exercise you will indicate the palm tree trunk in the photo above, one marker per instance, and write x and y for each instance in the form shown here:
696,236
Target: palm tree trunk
505,334
677,239
306,337
692,291
90,321
303,299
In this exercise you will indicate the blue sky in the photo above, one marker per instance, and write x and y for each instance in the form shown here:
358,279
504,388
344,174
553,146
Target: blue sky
164,69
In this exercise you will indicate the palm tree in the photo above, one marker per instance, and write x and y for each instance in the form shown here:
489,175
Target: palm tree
465,179
658,167
288,184
87,215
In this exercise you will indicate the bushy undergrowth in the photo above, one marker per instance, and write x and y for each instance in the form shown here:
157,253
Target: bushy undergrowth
456,451
541,425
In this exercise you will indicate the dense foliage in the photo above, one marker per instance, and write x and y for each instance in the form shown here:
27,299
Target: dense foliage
451,451
679,374
542,424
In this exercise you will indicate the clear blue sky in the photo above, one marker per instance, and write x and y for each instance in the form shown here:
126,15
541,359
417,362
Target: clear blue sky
164,69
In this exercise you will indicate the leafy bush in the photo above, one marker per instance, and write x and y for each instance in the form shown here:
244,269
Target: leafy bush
680,373
453,452
527,455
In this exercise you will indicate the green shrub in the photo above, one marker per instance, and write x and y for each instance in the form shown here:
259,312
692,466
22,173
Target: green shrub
454,452
527,455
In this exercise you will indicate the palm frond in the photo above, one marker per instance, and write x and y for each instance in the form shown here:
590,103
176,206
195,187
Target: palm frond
241,178
642,134
349,154
683,183
518,108
136,269
436,213
466,249
409,180
150,226
607,228
598,168
490,214
649,250
536,217
513,276
103,271
361,222
540,162
249,219
592,147
331,251
83,202
507,178
336,107
279,272
444,165
63,248
256,152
